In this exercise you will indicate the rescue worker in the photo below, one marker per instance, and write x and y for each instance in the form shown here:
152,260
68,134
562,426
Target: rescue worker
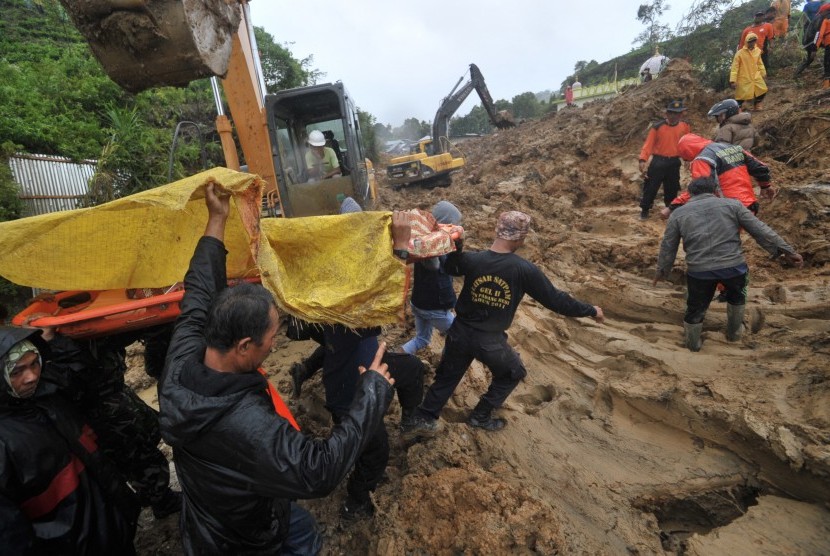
764,31
823,41
495,281
321,161
816,13
58,493
747,73
661,147
734,126
241,464
710,229
433,296
730,166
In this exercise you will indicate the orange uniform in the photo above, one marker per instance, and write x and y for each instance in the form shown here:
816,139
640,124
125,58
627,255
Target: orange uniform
763,31
662,139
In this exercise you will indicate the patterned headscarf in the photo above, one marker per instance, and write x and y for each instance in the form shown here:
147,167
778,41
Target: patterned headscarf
11,358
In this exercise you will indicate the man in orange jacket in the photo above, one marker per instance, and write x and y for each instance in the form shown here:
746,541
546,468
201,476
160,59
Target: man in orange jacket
730,166
661,147
764,31
823,40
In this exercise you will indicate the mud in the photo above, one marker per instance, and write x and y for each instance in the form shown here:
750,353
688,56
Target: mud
619,441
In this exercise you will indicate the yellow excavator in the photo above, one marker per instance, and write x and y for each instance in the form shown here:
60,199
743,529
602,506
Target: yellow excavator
432,161
149,43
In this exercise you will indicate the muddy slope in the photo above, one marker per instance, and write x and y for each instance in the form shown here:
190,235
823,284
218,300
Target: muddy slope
620,440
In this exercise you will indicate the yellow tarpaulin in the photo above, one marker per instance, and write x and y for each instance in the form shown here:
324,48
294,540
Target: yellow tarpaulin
324,269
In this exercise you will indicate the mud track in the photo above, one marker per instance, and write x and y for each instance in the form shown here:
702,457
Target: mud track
619,441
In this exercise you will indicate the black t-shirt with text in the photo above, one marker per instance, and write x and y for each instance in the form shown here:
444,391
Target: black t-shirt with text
495,283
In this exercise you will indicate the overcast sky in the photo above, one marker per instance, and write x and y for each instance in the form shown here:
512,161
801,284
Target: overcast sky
399,59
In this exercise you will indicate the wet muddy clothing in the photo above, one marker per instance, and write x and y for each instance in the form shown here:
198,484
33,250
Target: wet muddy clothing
709,227
664,169
729,165
738,130
58,494
128,429
494,285
239,463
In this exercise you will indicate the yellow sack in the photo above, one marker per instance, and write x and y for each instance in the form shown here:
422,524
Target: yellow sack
334,268
146,240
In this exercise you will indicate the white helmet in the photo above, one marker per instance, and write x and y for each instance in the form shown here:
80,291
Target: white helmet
316,138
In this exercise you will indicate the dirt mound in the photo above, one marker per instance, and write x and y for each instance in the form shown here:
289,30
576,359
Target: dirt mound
620,440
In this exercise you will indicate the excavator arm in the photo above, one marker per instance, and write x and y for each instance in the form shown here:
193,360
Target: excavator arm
456,98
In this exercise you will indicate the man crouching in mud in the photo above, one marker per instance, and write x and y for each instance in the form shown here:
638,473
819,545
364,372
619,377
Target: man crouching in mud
495,281
239,463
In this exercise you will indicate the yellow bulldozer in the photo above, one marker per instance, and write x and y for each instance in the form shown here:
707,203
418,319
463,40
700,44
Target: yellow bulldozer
432,161
143,44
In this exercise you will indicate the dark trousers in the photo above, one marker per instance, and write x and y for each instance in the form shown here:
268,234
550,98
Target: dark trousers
464,344
700,292
303,538
346,350
827,62
665,171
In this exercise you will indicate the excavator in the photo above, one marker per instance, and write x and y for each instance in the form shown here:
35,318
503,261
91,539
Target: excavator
432,161
149,43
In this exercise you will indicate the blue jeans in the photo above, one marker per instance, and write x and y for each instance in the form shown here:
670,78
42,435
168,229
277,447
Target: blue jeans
303,537
425,321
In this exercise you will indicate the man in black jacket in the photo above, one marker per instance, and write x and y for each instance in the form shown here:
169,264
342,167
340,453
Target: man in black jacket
495,281
239,463
58,494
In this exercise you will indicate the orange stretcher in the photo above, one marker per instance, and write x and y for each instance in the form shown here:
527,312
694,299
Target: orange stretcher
93,314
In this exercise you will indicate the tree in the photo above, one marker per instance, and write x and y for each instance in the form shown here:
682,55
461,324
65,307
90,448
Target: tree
280,69
649,15
367,130
527,106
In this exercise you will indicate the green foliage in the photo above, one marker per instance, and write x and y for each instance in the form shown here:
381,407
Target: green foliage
527,106
279,67
649,15
475,122
367,131
11,206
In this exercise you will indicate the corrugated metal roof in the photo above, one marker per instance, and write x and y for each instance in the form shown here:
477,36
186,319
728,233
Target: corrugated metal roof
50,183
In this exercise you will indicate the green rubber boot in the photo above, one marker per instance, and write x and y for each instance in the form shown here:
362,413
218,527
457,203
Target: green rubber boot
734,322
693,332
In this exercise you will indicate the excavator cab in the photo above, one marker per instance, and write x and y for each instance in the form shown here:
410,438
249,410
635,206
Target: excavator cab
292,115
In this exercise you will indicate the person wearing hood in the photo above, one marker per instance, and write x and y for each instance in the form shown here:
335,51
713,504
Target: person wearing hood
734,126
239,462
730,166
748,73
433,296
58,494
710,229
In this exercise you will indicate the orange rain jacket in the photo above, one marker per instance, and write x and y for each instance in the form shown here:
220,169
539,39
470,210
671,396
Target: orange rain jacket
730,165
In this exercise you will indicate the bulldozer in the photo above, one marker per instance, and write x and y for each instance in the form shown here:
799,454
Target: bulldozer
149,43
432,161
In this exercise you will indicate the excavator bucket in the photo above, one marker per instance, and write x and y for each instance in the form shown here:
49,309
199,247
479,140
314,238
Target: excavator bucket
148,43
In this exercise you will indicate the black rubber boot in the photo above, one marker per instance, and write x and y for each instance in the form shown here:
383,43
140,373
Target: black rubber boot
482,418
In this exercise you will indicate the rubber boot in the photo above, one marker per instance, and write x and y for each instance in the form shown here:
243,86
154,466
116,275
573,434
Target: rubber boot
759,106
693,335
825,84
734,322
481,418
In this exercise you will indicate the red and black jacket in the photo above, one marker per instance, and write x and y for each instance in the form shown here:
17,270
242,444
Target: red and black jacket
730,166
58,495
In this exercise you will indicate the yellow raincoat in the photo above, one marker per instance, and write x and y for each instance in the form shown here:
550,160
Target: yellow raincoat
748,73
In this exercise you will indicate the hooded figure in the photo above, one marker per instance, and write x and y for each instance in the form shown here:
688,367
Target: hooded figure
57,493
748,73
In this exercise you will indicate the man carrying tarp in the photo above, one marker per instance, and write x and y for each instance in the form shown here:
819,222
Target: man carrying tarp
241,464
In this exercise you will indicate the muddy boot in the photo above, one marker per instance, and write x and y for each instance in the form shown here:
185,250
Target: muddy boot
759,106
407,418
734,322
357,507
693,332
418,425
482,418
825,84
